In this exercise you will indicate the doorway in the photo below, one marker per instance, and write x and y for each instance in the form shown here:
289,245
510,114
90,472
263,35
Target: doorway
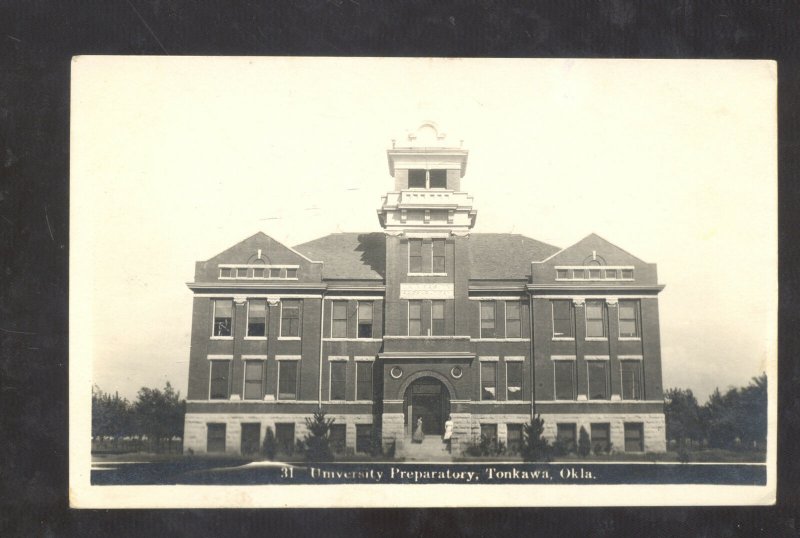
426,398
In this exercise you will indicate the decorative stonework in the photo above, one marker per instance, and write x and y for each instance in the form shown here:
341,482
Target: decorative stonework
240,299
578,301
612,301
426,291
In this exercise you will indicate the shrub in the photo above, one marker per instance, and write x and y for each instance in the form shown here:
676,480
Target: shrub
683,455
584,445
316,444
534,446
270,446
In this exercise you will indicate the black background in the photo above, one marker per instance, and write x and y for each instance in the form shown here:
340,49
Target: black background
37,40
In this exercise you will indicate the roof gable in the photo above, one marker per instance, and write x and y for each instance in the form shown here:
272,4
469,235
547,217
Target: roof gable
272,252
590,247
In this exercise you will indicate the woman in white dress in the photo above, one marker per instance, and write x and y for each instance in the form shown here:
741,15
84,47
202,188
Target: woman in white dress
448,432
419,435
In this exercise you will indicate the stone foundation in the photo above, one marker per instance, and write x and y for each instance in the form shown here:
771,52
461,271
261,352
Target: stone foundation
393,430
195,430
654,427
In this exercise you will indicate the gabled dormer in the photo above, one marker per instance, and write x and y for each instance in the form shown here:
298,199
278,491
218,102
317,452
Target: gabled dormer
594,262
257,261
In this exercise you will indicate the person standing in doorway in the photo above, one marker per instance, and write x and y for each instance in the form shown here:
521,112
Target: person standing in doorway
419,434
448,433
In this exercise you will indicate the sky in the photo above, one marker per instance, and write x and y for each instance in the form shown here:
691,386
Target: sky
174,160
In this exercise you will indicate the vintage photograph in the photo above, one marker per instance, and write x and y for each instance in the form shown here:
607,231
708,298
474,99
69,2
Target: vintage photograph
422,282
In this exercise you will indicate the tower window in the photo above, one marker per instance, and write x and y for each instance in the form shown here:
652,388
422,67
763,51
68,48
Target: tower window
438,179
414,318
416,179
415,255
438,246
437,318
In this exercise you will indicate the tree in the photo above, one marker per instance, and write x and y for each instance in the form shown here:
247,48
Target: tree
682,416
159,415
270,447
316,443
111,416
584,445
534,446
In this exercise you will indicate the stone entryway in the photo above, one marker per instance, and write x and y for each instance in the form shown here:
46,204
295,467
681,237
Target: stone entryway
426,398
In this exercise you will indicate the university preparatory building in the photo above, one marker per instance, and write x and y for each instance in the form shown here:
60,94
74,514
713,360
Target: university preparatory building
424,320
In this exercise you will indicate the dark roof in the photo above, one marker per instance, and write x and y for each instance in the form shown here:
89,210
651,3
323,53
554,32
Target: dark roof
349,255
505,256
363,255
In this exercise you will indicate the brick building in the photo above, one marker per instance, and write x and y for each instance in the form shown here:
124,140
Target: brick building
424,319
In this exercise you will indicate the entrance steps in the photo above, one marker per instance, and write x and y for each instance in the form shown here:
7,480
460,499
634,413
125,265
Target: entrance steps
431,449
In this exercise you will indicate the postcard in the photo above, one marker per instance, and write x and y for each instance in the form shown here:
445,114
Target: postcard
422,282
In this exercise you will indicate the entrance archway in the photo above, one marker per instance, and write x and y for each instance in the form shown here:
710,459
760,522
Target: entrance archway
427,398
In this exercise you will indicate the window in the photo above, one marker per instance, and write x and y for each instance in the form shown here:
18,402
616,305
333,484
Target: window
219,389
612,274
437,318
562,274
514,438
416,179
253,380
275,272
488,310
437,247
564,372
596,319
363,438
438,179
291,273
629,319
578,274
489,432
223,317
563,319
257,317
287,380
627,274
600,438
634,437
364,319
241,272
284,435
290,318
251,437
565,434
598,379
514,380
488,381
338,380
339,323
513,322
415,255
631,379
225,272
215,440
414,318
258,272
363,380
594,274
338,438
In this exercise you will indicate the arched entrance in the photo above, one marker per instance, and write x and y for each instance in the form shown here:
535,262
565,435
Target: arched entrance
429,399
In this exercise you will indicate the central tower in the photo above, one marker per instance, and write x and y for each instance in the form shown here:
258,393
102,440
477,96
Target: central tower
427,171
